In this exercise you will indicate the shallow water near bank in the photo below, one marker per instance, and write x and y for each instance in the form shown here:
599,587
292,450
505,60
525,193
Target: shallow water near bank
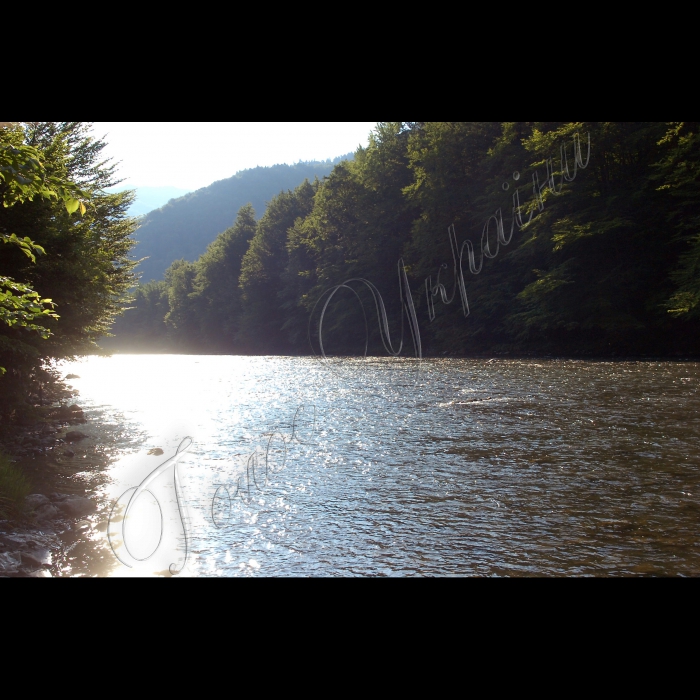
384,468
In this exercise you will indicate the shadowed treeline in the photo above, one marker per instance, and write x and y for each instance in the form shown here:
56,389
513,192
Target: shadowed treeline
573,250
64,263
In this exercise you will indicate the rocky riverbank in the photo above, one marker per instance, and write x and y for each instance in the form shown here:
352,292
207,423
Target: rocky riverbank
37,545
56,531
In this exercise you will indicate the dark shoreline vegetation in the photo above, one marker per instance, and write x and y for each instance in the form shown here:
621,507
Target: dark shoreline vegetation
607,269
608,266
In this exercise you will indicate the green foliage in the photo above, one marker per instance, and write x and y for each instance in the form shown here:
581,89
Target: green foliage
14,488
185,226
26,245
356,229
21,306
604,255
216,295
182,319
23,176
263,267
679,176
87,270
61,252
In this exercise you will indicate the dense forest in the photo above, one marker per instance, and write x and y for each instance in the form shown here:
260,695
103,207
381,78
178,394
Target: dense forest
184,226
576,238
65,269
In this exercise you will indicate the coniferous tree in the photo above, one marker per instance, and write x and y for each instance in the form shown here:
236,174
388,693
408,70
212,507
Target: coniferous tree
262,269
218,295
85,270
679,178
182,319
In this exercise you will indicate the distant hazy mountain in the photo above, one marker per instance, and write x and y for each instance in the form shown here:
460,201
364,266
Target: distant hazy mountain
185,226
150,198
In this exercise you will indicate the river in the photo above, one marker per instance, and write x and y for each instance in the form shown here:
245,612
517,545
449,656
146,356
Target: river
380,467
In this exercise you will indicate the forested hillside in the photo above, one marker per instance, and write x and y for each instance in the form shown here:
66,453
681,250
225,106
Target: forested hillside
185,226
577,238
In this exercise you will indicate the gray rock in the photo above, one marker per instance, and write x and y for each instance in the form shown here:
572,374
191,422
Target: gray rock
58,497
9,562
47,512
22,539
75,435
34,500
77,506
68,453
73,414
36,558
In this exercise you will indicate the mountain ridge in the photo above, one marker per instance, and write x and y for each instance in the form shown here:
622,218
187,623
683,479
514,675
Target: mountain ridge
183,227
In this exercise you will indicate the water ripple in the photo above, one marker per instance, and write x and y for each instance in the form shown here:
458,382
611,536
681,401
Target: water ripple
507,468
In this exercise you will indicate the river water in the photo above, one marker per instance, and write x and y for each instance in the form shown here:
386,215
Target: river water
379,467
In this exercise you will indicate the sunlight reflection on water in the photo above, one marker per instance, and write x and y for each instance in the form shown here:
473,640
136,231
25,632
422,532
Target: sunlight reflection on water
504,468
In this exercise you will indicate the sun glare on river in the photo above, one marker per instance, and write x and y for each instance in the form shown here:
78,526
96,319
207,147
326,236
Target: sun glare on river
167,401
158,400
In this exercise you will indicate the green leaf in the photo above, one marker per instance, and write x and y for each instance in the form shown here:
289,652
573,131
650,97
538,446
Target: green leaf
72,205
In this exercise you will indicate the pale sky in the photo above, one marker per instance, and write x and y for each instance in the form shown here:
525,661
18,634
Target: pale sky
195,154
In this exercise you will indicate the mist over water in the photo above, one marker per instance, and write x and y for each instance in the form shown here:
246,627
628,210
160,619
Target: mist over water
403,468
